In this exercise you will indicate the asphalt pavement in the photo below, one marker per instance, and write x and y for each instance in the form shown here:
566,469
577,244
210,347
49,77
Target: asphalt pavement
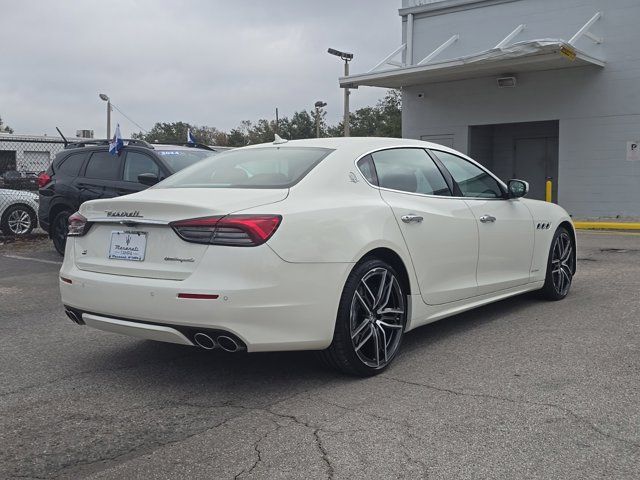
523,388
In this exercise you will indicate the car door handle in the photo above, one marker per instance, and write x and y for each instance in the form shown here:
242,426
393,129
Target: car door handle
487,219
411,218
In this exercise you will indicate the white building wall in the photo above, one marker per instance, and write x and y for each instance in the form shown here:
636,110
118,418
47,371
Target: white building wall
598,109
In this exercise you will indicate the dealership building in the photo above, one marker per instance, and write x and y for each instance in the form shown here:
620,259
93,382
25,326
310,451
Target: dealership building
532,89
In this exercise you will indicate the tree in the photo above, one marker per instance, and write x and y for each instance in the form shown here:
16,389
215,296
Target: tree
176,132
5,128
383,120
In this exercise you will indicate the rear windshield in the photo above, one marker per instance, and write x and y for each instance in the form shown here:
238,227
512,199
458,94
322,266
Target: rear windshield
179,159
271,167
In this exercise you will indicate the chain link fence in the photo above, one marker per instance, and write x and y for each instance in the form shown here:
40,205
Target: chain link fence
22,159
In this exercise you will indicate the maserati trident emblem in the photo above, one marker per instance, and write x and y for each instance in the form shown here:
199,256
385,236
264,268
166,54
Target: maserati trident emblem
123,213
128,240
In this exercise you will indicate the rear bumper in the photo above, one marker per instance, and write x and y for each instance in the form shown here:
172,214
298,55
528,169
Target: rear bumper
267,303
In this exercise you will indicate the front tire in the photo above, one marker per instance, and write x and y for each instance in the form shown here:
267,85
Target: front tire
18,220
560,266
371,320
59,229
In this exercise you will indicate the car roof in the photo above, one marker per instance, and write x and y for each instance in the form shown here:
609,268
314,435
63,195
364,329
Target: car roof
168,146
356,144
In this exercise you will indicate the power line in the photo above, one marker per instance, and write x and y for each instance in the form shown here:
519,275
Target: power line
128,118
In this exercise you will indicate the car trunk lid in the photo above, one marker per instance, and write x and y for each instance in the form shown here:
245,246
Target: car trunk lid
131,235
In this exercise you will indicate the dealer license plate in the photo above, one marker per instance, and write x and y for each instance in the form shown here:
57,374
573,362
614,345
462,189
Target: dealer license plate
126,245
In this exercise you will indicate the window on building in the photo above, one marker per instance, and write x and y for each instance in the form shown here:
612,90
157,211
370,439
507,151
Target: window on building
472,180
409,170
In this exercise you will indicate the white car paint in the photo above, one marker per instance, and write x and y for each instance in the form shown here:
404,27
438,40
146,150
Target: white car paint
9,197
284,294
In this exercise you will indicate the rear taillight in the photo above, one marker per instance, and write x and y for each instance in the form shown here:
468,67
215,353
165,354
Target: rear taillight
78,225
231,230
43,179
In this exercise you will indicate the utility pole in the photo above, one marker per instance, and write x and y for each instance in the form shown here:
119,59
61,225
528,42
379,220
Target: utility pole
319,105
347,57
346,100
276,120
108,118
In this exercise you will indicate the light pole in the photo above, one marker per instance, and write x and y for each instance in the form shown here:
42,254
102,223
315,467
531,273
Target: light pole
347,57
319,104
108,100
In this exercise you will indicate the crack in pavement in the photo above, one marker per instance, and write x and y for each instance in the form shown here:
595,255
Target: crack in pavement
140,449
560,408
256,448
325,456
317,440
143,449
82,374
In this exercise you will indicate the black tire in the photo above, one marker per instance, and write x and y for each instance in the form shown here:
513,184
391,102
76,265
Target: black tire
561,266
59,228
18,220
381,324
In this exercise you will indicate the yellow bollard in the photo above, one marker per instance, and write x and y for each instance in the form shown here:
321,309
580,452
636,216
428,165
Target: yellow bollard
549,190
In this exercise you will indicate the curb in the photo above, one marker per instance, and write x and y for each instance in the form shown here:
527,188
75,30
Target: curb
607,225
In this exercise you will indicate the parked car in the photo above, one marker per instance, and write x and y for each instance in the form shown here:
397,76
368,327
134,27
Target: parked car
340,245
15,180
18,212
87,171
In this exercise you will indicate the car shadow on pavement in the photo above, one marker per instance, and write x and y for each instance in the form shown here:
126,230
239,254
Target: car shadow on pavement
168,363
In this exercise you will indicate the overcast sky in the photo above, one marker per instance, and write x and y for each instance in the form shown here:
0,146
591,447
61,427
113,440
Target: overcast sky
212,63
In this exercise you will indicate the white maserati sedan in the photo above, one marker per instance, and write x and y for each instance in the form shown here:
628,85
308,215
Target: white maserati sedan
340,245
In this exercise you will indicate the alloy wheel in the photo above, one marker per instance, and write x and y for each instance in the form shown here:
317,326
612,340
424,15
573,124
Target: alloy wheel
377,317
19,222
562,264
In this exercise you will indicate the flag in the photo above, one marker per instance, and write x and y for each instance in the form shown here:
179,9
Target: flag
190,137
116,143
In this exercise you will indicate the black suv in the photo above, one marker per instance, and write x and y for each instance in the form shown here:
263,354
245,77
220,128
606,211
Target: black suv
87,171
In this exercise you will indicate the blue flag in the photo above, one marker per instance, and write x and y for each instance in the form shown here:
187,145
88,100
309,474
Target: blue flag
190,137
116,144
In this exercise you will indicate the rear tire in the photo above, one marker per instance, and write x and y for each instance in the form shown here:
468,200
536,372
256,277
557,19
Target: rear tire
371,320
59,229
18,220
560,266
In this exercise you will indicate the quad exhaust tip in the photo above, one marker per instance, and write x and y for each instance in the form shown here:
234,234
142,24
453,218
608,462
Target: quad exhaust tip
228,344
204,341
75,318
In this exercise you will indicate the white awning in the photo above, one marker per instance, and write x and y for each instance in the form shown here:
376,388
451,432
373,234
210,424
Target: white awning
529,56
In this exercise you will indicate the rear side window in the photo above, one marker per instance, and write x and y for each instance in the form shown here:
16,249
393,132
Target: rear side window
71,165
472,180
103,166
137,163
409,170
271,167
365,164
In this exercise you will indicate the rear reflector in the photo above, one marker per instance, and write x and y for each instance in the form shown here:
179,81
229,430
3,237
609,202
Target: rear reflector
230,230
200,296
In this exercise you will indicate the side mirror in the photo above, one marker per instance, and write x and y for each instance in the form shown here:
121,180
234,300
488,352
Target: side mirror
518,188
148,179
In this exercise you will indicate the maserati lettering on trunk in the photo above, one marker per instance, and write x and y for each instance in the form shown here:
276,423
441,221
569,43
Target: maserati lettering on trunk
134,214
